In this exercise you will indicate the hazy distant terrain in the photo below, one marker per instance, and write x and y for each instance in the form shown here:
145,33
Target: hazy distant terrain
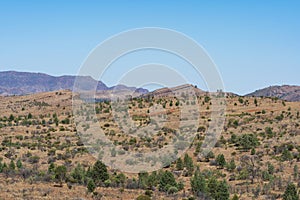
21,83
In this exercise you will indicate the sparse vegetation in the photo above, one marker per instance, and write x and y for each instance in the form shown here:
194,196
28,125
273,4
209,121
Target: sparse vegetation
256,156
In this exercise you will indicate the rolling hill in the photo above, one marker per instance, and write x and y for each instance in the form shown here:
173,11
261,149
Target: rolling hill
285,92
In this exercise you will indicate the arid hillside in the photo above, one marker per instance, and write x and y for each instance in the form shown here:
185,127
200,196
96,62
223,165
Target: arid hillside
42,155
285,92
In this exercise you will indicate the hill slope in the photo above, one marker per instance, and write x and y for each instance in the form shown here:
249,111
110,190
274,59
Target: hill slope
259,144
285,92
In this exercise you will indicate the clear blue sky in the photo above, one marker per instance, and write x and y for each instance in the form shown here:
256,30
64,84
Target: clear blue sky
253,43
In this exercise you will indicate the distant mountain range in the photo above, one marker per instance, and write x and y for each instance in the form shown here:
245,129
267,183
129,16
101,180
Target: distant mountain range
285,92
22,83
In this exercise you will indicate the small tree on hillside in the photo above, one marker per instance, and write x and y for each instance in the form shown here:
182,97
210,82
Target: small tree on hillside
248,141
12,165
91,185
231,165
167,180
78,174
143,180
218,189
296,171
212,185
221,162
235,197
51,168
222,191
255,102
198,184
60,173
153,180
188,163
286,155
179,164
19,164
251,164
290,192
99,173
143,197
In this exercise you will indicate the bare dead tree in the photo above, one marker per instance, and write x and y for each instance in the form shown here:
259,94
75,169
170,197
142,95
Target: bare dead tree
251,163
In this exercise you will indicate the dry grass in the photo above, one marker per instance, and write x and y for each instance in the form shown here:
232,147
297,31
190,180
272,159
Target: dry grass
39,139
